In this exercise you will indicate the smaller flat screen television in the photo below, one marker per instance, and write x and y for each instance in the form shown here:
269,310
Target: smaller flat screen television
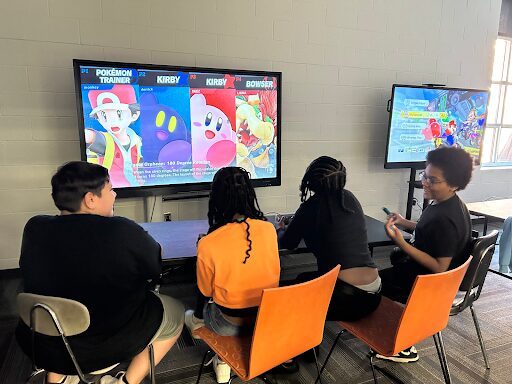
423,118
163,129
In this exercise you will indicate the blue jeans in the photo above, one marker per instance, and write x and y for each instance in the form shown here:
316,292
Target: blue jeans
506,246
216,322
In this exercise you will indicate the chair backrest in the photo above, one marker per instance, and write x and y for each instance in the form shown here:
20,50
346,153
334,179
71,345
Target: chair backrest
482,250
72,316
428,307
290,321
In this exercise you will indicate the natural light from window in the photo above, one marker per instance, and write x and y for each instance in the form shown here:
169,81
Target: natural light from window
497,145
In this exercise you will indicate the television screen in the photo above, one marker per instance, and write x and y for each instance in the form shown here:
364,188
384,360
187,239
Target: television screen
423,118
163,129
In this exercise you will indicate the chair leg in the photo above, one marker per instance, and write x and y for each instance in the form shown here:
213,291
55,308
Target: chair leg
480,338
202,365
317,366
35,372
329,355
371,355
151,363
443,359
390,376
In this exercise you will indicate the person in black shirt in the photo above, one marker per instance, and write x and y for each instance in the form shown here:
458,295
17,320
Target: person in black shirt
332,224
104,262
442,234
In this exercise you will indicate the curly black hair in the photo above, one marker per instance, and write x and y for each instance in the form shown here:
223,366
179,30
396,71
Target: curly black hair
232,194
327,176
456,164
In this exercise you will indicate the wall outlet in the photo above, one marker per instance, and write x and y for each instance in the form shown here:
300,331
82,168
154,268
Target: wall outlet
167,216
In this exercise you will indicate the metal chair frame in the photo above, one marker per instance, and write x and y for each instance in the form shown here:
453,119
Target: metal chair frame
472,295
56,322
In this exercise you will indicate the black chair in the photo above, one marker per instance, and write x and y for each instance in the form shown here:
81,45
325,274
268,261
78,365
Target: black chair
482,250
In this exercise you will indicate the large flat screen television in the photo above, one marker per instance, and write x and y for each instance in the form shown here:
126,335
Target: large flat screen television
165,129
423,118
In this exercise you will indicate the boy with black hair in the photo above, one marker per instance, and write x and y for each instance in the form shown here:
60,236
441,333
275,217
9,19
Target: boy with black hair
105,262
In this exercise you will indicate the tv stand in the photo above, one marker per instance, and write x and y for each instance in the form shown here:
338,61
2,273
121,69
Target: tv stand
413,184
153,208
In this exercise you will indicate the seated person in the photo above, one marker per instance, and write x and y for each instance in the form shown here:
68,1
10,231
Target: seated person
442,235
104,262
505,260
332,224
236,260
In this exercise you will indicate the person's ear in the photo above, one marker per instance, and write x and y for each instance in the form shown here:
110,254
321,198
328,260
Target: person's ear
89,201
135,116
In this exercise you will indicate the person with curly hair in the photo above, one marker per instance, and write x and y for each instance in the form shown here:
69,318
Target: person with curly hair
441,236
236,260
332,223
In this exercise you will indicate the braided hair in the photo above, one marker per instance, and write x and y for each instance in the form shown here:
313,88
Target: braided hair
325,176
232,194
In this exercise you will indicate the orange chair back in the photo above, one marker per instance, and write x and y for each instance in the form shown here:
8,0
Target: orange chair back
428,307
290,321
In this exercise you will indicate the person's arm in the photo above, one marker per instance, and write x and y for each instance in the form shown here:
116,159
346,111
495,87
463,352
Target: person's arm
434,264
402,221
290,237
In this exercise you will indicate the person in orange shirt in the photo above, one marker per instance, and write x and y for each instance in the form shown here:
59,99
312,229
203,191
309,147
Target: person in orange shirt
236,260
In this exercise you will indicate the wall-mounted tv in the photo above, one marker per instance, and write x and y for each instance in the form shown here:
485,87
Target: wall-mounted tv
165,129
423,118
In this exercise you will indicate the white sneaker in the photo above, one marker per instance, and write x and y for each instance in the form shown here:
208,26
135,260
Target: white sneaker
107,379
408,355
222,370
71,379
193,322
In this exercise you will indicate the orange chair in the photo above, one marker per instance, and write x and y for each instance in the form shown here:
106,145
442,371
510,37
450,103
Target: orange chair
279,335
393,327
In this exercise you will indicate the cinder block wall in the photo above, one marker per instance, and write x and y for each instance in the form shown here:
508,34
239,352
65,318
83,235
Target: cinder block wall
338,58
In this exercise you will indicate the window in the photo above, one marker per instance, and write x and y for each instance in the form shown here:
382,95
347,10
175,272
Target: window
497,145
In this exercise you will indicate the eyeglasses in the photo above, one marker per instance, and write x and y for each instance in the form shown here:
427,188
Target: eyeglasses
430,180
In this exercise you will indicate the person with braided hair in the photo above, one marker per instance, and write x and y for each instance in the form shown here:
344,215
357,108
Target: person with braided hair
331,222
236,260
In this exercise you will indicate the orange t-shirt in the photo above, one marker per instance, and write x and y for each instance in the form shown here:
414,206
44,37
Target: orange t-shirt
221,273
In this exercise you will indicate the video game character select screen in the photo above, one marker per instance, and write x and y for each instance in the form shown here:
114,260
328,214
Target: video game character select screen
155,127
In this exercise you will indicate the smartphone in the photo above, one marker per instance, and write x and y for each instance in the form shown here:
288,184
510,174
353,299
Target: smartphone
386,211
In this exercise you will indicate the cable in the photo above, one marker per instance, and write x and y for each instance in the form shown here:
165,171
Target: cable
152,211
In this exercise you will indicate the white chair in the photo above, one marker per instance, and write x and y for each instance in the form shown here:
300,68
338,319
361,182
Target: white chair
57,316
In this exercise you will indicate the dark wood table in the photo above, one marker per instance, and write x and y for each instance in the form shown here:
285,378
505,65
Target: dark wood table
497,210
178,238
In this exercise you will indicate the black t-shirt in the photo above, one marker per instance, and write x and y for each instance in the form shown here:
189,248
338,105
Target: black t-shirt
335,236
104,263
443,230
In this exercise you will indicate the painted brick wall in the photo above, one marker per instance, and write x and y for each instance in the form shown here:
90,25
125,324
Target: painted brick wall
338,58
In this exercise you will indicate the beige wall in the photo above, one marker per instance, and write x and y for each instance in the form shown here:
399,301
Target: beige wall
338,58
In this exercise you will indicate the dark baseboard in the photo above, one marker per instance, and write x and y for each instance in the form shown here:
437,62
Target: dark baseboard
10,273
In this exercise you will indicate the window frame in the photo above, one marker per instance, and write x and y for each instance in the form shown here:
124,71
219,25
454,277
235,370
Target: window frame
503,85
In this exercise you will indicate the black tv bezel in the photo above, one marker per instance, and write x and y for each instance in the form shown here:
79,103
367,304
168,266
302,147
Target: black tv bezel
422,164
175,189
